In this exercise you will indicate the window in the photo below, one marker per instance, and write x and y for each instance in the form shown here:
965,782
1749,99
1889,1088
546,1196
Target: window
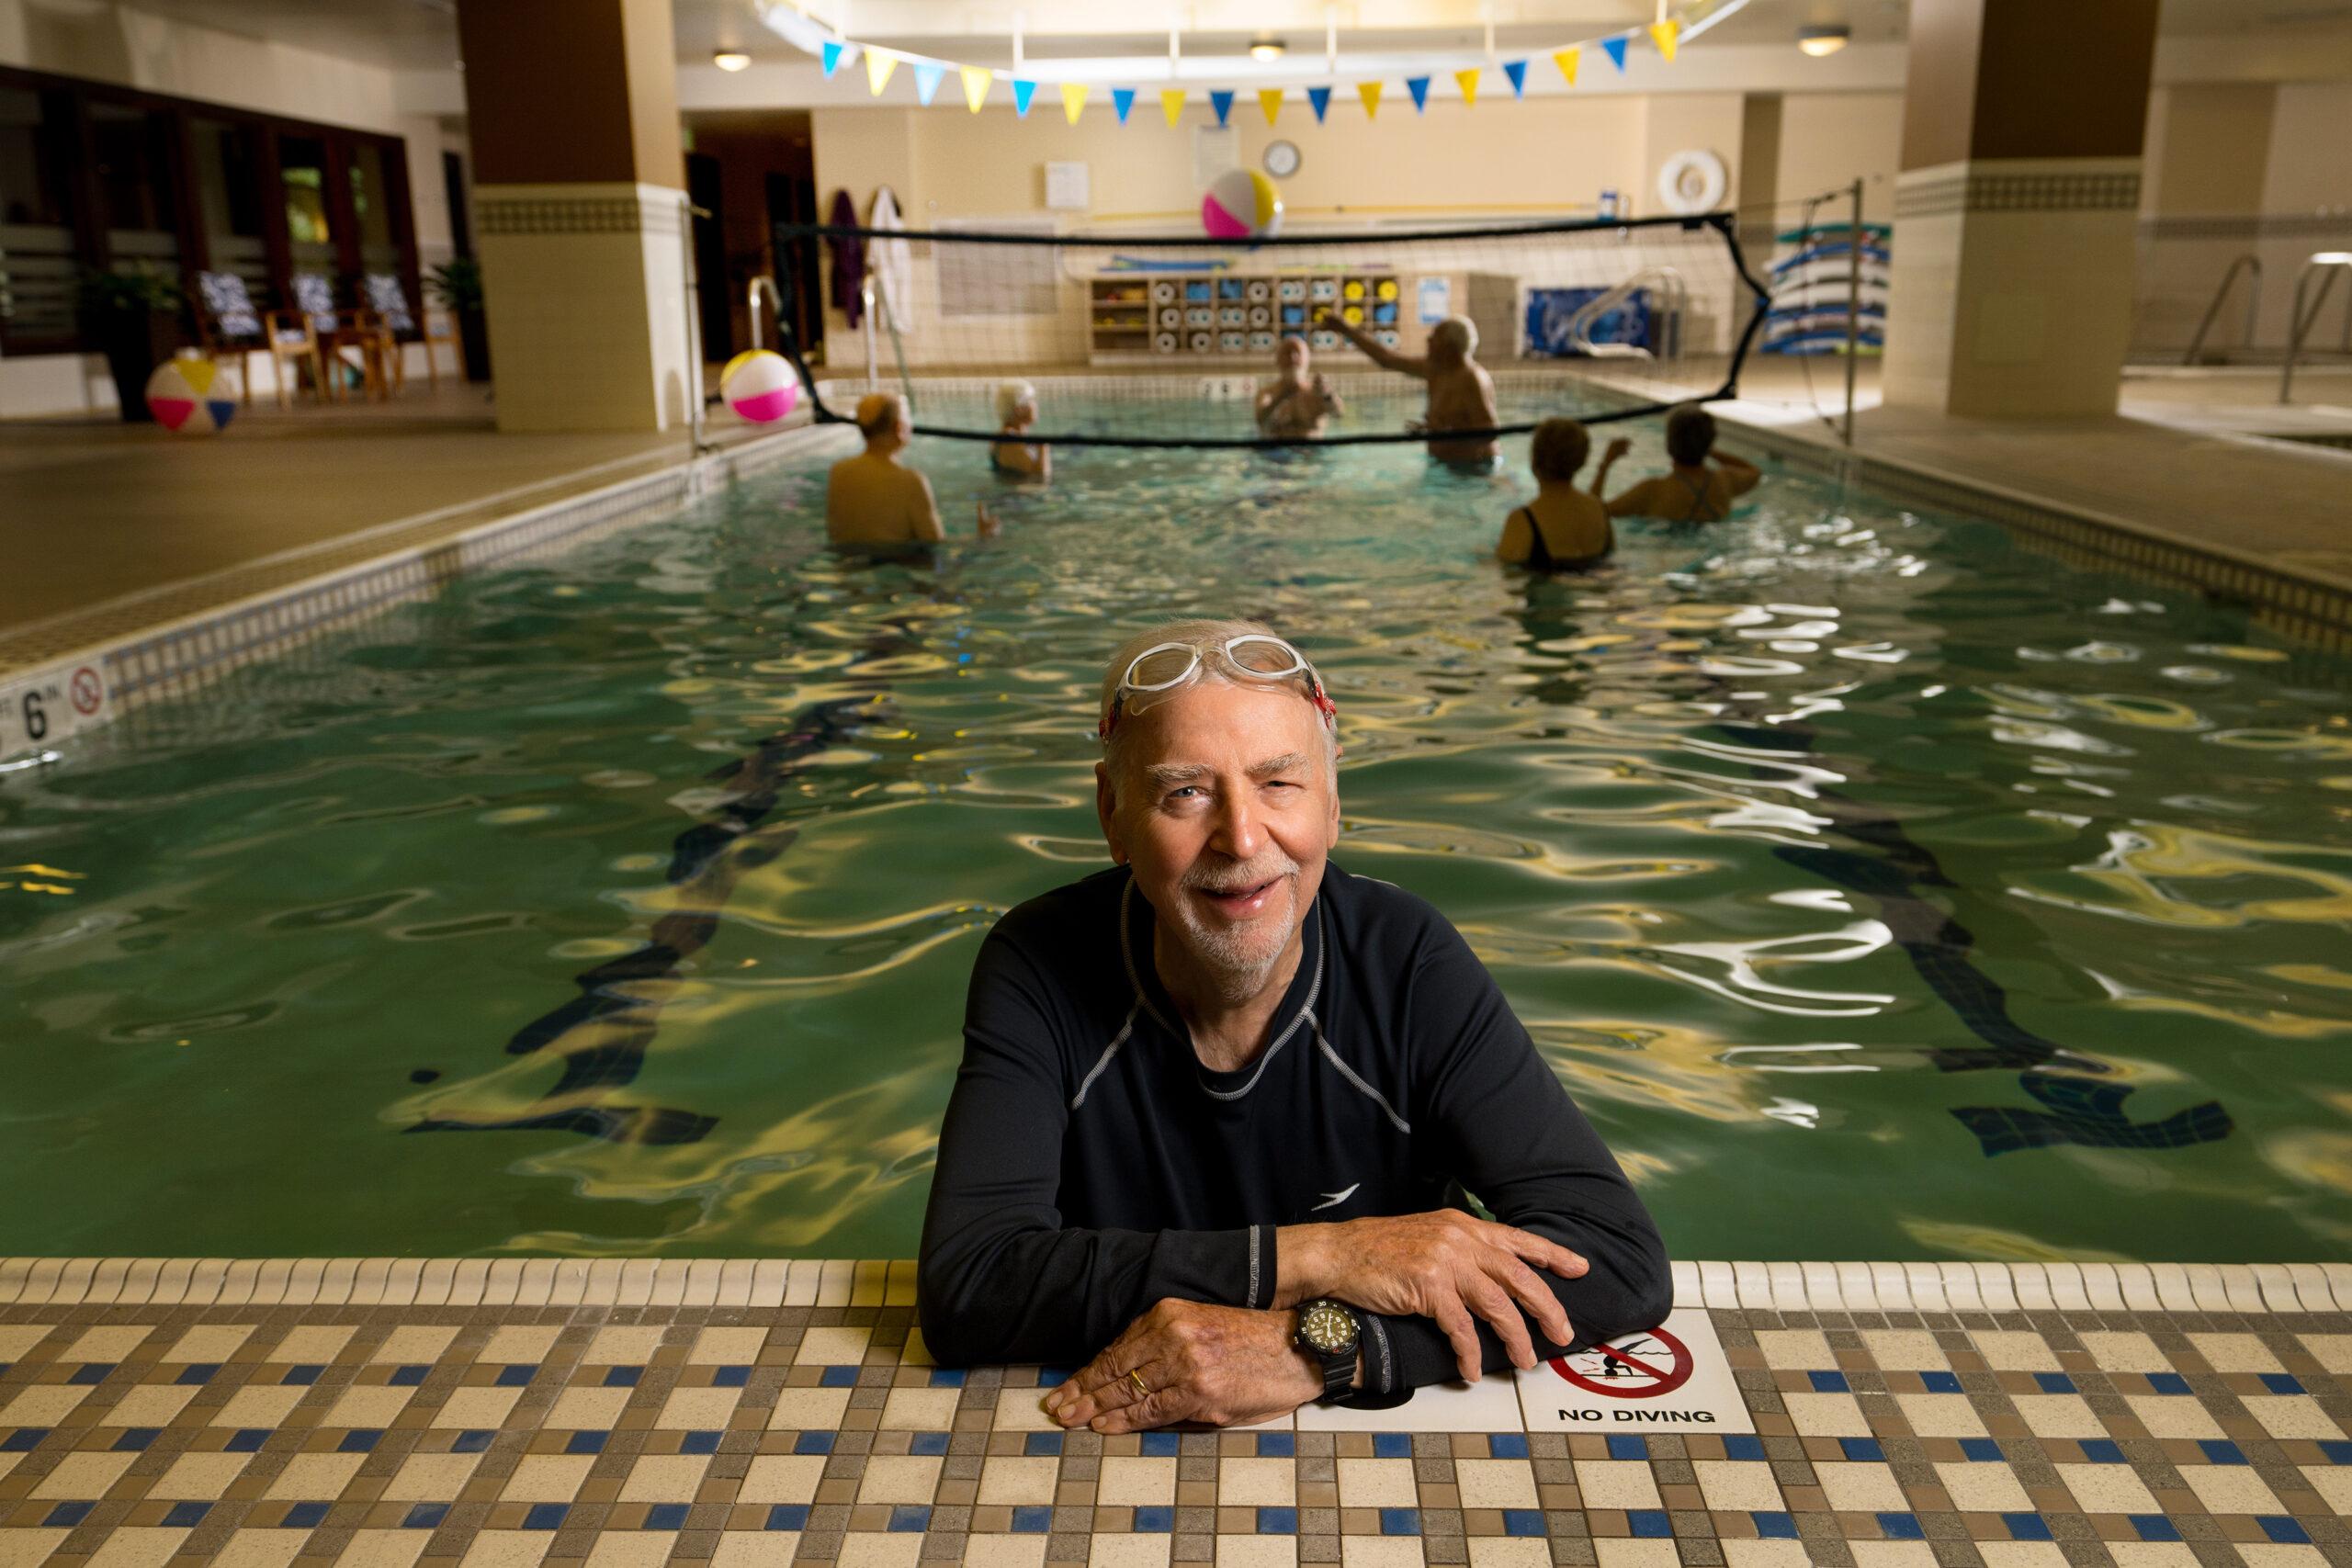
36,237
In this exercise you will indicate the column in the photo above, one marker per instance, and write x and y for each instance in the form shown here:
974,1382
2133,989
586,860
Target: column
2016,209
571,111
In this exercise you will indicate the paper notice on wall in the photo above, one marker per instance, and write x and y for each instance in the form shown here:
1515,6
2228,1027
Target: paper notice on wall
1433,300
1671,1378
1066,187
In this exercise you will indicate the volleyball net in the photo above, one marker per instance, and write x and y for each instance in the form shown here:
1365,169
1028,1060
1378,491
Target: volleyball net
1143,339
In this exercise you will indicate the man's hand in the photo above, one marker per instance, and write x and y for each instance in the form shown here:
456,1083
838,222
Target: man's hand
1448,1265
1616,449
1196,1362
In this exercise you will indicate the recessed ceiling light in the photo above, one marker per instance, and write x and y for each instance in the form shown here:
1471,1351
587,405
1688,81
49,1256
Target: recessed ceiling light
1266,48
731,60
1824,38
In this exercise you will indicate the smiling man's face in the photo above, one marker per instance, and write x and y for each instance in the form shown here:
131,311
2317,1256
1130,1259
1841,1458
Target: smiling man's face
1225,806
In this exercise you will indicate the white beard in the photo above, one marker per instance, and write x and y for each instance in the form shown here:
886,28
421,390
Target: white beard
1237,959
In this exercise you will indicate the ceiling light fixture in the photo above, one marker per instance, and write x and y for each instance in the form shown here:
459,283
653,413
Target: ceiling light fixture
1824,38
1266,50
731,60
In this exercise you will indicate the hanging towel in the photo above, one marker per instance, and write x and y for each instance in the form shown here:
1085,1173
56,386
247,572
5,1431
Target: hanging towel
849,259
893,262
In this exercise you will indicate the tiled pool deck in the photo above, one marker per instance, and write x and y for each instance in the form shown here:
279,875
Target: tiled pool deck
394,1412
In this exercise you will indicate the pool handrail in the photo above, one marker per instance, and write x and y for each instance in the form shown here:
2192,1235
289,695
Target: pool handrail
2253,306
2326,265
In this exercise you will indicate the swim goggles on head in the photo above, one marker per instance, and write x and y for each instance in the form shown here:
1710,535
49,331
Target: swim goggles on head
1164,669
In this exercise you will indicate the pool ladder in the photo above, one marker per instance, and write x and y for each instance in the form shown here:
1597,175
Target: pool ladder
2324,266
2248,261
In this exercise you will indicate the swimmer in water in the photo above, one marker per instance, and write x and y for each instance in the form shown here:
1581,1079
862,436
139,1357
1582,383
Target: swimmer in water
1295,404
1693,492
874,501
1563,528
1461,393
1016,411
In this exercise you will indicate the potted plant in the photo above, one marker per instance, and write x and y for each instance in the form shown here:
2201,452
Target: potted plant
457,286
132,316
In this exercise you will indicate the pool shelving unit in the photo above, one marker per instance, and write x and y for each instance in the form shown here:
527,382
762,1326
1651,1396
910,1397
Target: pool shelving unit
1144,318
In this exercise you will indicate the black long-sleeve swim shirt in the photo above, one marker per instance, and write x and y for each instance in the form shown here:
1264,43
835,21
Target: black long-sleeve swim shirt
1090,1166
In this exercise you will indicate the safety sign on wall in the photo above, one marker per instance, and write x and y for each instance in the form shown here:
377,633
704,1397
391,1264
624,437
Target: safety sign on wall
43,708
1670,1378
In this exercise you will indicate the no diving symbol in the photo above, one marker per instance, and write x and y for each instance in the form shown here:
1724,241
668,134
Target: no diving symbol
88,691
1641,1366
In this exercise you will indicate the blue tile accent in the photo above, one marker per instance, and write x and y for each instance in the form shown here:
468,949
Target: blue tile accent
359,1440
1829,1383
2027,1526
408,1377
1032,1519
782,1516
2168,1383
672,1517
2102,1451
1277,1445
247,1439
1155,1445
68,1514
91,1372
838,1376
1400,1521
1506,1445
1523,1522
585,1443
1775,1526
303,1517
475,1441
703,1442
731,1377
1649,1523
1981,1450
2221,1450
623,1377
1392,1445
1864,1451
1742,1445
813,1443
1037,1443
199,1372
1278,1521
186,1515
2282,1530
2337,1450
425,1517
1051,1377
1900,1526
1941,1382
2054,1382
306,1374
135,1440
928,1443
546,1516
23,1441
1155,1520
2155,1526
517,1376
942,1378
2283,1383
1627,1446
910,1518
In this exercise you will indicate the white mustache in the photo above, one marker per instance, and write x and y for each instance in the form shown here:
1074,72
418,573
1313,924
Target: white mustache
1239,884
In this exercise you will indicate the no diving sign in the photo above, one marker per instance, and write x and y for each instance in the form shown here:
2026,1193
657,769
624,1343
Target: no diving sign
1673,1376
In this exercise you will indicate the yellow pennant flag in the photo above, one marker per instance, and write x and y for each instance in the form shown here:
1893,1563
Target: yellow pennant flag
1566,61
1370,92
1271,100
977,80
1171,104
1073,100
878,66
1468,81
1665,33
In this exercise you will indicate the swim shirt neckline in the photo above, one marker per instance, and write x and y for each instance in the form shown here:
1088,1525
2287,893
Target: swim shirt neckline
1294,1015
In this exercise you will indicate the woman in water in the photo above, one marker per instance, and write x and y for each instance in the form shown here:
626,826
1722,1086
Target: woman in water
1563,528
1016,411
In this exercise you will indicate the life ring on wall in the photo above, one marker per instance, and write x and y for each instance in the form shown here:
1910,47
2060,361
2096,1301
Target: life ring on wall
1693,180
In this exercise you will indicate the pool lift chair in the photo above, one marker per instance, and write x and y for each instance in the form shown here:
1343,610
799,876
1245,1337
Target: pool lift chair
1675,302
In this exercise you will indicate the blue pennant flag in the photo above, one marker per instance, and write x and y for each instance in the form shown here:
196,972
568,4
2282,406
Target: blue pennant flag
927,80
1419,87
1320,99
1122,99
833,52
1223,103
1517,71
1022,93
1616,48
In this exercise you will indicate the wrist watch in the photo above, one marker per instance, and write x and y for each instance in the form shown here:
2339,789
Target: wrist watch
1329,1331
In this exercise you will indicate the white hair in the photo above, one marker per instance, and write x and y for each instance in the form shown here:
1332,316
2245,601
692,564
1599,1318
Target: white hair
1012,397
1459,330
1198,633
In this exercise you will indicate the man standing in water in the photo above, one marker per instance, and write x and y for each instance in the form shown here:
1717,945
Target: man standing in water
1294,406
873,501
1461,393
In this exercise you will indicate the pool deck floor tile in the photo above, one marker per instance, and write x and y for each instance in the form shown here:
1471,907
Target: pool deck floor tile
2197,1418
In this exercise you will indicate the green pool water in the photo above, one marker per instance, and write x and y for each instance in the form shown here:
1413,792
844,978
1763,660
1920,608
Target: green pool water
1882,890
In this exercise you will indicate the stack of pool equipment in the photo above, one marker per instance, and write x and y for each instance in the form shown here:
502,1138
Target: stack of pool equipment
1812,290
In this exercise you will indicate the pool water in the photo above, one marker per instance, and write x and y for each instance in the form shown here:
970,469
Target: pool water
1880,889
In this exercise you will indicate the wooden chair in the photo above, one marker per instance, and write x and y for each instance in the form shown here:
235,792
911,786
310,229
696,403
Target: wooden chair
230,326
389,300
347,339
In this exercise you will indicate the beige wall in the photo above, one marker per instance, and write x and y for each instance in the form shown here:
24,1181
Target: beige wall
2310,167
1826,138
2207,145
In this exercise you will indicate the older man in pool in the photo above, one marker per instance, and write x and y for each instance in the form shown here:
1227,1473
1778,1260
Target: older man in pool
1223,1107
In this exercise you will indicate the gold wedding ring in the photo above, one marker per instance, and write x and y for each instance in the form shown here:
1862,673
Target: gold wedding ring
1142,1390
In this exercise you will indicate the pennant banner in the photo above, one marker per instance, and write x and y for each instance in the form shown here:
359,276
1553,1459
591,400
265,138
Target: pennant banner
1073,100
1122,100
1566,61
1022,93
1419,87
927,82
832,53
1468,81
1615,48
1319,100
878,66
1171,104
977,80
1370,92
1223,103
1666,34
1270,99
1517,71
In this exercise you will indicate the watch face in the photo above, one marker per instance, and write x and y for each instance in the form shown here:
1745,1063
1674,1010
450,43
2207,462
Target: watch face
1281,160
1327,1326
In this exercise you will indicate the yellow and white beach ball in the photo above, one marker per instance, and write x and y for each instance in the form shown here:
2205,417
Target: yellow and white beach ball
759,385
1241,205
192,395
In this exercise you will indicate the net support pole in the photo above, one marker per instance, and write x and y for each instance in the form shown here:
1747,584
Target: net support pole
873,365
1853,308
687,212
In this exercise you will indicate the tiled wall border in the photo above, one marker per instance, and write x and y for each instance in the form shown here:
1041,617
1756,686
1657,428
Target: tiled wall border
856,1283
597,207
2250,226
2019,184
